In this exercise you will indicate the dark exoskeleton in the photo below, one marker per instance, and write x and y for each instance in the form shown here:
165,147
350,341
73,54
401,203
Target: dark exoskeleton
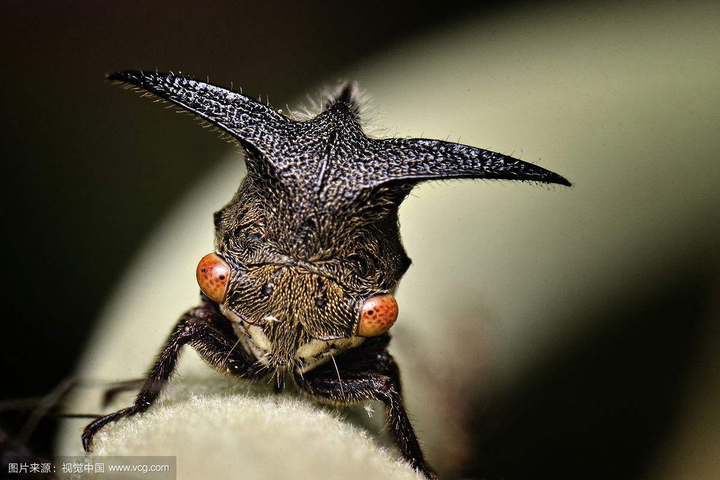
308,251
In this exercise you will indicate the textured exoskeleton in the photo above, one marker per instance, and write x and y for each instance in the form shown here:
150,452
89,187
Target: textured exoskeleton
308,252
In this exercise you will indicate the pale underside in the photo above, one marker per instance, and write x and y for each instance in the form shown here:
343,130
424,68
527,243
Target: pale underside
309,355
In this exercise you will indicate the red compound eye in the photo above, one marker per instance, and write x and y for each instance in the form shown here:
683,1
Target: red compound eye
378,315
213,275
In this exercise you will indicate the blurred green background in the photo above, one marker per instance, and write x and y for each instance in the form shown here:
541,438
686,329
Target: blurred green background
598,304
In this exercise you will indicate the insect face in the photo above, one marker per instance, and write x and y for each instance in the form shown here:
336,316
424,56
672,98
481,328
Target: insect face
302,269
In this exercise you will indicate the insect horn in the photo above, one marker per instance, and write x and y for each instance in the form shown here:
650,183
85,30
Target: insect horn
346,95
255,125
415,160
271,140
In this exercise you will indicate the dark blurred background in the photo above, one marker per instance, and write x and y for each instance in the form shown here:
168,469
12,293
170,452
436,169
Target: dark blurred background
87,177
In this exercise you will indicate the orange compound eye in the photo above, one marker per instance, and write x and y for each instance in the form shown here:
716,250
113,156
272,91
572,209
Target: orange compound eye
213,275
378,315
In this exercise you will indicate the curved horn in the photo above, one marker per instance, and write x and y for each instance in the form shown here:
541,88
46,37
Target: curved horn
249,121
415,160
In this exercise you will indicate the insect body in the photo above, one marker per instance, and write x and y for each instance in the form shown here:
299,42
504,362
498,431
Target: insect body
308,252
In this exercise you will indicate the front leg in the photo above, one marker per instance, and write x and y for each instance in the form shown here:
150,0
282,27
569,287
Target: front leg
209,332
365,373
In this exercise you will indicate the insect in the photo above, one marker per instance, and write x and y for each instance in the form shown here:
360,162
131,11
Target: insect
308,252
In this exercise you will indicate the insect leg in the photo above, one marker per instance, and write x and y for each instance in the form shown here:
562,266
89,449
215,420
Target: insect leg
366,373
205,329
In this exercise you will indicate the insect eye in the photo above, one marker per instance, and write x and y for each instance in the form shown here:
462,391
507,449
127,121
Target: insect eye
213,275
378,314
